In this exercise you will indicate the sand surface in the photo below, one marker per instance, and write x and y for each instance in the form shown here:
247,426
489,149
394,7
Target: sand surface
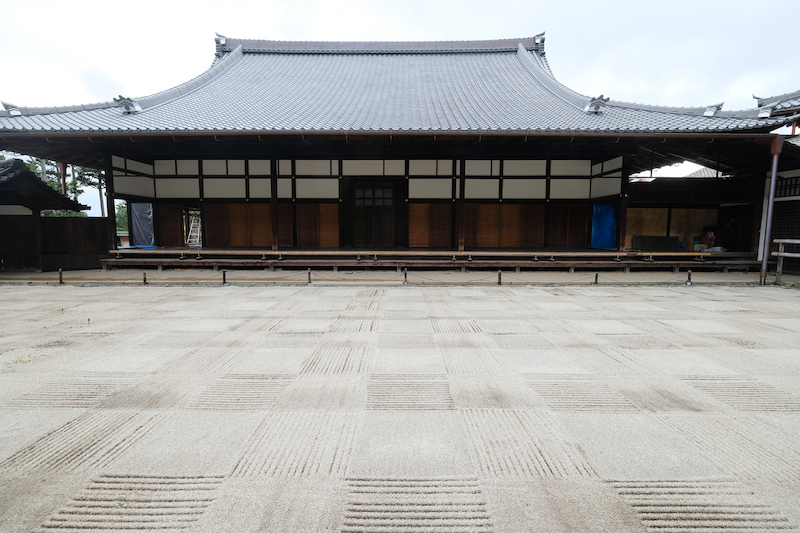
369,407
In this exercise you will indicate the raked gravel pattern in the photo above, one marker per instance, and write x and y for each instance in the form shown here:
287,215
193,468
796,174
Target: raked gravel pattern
399,409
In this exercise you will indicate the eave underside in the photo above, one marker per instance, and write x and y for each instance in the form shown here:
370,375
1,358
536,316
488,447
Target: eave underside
732,154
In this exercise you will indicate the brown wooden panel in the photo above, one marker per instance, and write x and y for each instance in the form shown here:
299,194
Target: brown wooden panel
169,224
558,225
688,224
307,225
238,226
260,222
532,232
579,223
645,221
329,225
285,225
215,224
418,225
470,225
510,225
441,222
488,225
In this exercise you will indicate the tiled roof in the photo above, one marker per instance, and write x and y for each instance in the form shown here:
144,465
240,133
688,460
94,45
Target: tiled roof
782,102
503,86
20,186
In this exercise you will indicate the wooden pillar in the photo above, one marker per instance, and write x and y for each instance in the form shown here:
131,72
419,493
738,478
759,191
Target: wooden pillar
62,171
622,206
775,149
37,238
460,211
111,212
273,201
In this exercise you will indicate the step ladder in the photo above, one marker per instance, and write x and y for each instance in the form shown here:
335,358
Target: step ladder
193,237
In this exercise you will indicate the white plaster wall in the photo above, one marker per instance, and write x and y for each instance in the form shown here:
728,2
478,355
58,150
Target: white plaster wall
516,167
307,167
178,188
284,187
15,210
577,189
259,167
524,189
260,188
422,167
224,188
135,185
606,187
430,188
317,188
188,167
215,167
366,167
482,189
570,167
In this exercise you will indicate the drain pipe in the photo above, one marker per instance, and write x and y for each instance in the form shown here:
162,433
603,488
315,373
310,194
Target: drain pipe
777,146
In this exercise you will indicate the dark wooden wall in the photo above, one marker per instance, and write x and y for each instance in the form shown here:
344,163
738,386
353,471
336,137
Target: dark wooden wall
69,243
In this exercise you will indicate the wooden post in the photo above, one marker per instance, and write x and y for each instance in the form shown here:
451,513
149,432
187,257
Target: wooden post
273,202
460,213
62,171
775,149
110,211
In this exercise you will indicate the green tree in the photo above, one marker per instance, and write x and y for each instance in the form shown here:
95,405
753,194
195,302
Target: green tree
122,216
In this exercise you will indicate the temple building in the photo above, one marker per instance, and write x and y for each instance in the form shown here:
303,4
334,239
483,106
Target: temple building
464,145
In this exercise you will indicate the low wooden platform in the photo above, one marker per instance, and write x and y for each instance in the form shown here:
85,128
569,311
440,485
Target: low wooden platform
427,259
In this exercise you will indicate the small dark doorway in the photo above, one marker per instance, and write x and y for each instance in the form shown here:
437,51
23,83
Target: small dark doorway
373,214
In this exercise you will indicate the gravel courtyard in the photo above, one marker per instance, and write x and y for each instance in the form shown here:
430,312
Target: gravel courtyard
368,408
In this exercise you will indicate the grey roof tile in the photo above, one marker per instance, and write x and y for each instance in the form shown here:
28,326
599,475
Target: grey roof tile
478,86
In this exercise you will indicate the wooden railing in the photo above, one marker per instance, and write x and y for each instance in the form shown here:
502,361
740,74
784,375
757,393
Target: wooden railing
782,253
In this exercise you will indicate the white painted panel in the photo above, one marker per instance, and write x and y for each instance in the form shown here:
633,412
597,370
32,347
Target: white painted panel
224,188
570,167
215,167
284,188
475,167
394,167
260,188
458,188
606,187
422,167
164,167
790,174
235,167
495,167
570,189
136,166
444,167
612,164
614,175
482,189
135,185
597,169
524,189
15,210
319,188
366,167
310,167
117,161
188,167
178,188
285,167
516,167
430,188
259,167
335,167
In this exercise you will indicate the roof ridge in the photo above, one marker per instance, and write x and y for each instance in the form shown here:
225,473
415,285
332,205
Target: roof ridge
380,47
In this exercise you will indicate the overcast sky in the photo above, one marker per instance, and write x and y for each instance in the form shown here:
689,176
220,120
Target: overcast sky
676,52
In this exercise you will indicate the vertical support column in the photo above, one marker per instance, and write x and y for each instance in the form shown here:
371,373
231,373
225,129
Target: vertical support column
622,209
110,210
460,214
273,201
62,171
775,149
